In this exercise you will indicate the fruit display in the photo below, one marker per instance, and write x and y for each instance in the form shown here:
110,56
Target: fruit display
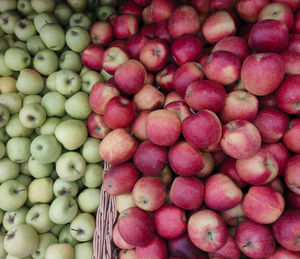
191,106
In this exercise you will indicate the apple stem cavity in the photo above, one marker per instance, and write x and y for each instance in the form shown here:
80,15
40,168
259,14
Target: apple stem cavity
11,234
248,244
11,218
79,231
36,215
19,190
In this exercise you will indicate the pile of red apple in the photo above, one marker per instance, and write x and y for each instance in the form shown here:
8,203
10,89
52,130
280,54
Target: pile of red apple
199,119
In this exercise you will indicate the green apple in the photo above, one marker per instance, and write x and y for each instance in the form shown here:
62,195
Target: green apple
2,150
105,11
43,18
89,150
83,70
41,6
60,251
14,218
83,227
81,20
62,187
41,190
70,60
53,35
24,179
63,209
12,101
24,29
54,104
4,137
8,21
14,241
24,169
20,44
3,45
14,128
4,115
84,250
35,44
70,166
71,134
67,82
50,81
24,7
89,79
30,82
56,229
45,62
63,13
45,240
10,39
77,38
13,195
9,169
3,253
106,76
93,176
66,237
88,200
32,115
45,148
17,58
18,149
7,5
4,69
38,218
49,126
32,98
77,106
77,5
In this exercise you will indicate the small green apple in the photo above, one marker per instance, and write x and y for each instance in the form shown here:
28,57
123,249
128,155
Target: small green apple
77,106
49,126
54,104
105,11
8,5
30,82
32,115
12,101
84,250
77,5
4,115
77,38
50,81
41,6
71,134
32,98
70,166
24,29
18,149
62,187
81,20
2,150
41,190
66,237
4,69
70,60
43,18
38,218
45,240
53,35
9,169
89,150
17,58
56,229
14,128
60,251
45,62
45,148
63,209
35,44
24,179
14,241
13,195
89,199
93,176
3,253
83,227
8,21
24,7
67,82
63,13
14,218
89,79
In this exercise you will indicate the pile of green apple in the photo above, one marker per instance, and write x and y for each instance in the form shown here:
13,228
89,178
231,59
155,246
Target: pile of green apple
50,168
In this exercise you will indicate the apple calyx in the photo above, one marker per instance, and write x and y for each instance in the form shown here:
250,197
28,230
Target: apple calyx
11,218
79,231
232,126
64,191
242,95
210,235
11,234
248,244
36,215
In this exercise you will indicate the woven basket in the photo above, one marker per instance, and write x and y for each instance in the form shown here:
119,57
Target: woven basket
107,214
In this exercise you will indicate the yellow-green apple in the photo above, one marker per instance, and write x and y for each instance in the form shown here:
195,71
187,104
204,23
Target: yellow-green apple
286,230
13,218
124,201
138,126
173,96
181,109
130,7
83,226
41,190
92,56
209,165
101,33
127,254
66,237
88,200
134,44
207,230
156,248
240,139
170,221
59,251
93,175
77,106
53,35
291,136
38,218
249,10
8,20
9,169
255,240
41,6
80,19
67,82
120,179
53,103
37,169
135,226
162,31
14,128
17,58
77,38
230,250
24,29
63,187
7,5
32,115
161,10
113,58
18,149
282,253
7,84
234,216
125,25
164,78
89,150
45,62
291,174
70,60
84,250
45,240
204,121
118,240
292,62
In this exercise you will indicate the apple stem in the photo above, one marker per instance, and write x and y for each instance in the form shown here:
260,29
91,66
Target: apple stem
20,190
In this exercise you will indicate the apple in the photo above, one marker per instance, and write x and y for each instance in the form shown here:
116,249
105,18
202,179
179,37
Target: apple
8,20
207,230
32,115
180,108
12,101
138,126
296,27
67,82
118,240
45,240
249,10
45,62
63,13
83,226
148,30
290,137
88,200
113,58
230,249
255,240
53,35
77,38
164,78
63,187
134,44
9,169
70,60
234,216
292,200
14,128
89,150
81,20
291,173
8,5
286,230
162,31
173,96
124,201
170,221
14,217
219,5
209,165
29,75
24,29
130,7
202,6
96,126
125,25
156,248
161,10
281,253
146,15
40,190
292,61
92,56
59,251
53,103
127,254
66,237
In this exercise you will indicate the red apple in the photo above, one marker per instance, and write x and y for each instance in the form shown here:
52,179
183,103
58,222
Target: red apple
149,78
249,10
263,204
135,226
118,43
277,185
130,7
142,2
278,11
268,101
162,32
127,254
181,109
296,27
291,174
202,6
125,26
166,175
146,15
186,74
184,20
117,147
218,26
170,221
100,94
186,48
120,179
96,126
113,58
269,35
187,192
134,45
282,253
163,127
292,62
286,230
207,230
156,248
294,41
154,55
255,240
209,165
101,32
118,240
221,193
130,77
288,95
92,57
292,200
138,126
194,126
173,97
291,137
149,193
164,78
148,30
161,10
234,216
294,4
229,250
239,105
149,158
